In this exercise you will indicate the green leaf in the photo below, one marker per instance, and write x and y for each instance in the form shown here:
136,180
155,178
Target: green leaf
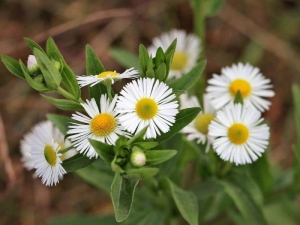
61,122
32,45
213,7
185,82
83,219
139,136
238,98
122,193
296,98
143,59
154,157
105,151
68,77
159,57
76,162
206,189
152,217
169,59
125,58
141,173
13,66
41,87
63,104
245,203
94,67
146,145
51,74
183,118
161,72
172,47
185,201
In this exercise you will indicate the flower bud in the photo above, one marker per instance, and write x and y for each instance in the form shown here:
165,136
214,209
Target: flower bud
138,157
32,64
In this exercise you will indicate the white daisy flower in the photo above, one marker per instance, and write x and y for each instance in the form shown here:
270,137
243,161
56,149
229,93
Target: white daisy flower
239,137
107,76
147,102
44,151
198,128
252,85
101,125
186,53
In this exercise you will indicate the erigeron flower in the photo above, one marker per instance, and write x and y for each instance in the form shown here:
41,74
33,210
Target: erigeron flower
101,125
147,102
239,135
252,85
107,77
43,153
198,128
186,53
32,64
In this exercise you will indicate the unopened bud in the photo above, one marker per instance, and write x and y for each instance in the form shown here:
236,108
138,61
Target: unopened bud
32,64
138,158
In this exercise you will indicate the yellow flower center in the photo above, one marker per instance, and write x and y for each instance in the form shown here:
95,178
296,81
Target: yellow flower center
103,124
238,133
146,108
240,85
107,73
50,155
202,122
179,61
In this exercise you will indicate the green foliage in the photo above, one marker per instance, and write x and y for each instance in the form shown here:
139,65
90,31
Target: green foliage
61,122
76,162
105,151
83,219
13,66
158,156
63,104
125,58
238,98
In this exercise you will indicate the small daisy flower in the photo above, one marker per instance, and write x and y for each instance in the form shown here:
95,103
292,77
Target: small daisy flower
252,85
32,64
107,76
239,137
101,125
147,102
44,151
198,128
186,53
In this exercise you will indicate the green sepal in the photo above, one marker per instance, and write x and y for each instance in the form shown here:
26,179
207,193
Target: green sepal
139,136
161,72
63,104
122,193
50,73
140,173
238,99
185,201
41,87
76,162
183,118
68,77
185,82
143,59
94,67
61,122
105,151
146,145
125,58
32,44
154,157
13,66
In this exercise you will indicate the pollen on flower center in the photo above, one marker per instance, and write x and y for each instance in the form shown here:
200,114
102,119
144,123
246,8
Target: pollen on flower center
202,122
238,133
103,124
146,108
240,85
107,73
179,61
50,155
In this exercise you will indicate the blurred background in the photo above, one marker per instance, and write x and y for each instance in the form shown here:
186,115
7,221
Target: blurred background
264,33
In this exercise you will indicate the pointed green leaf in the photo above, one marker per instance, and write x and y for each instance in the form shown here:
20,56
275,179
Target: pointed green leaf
153,217
51,74
63,104
172,47
68,77
146,145
61,122
154,157
41,87
94,67
143,59
185,201
32,44
185,82
238,98
13,66
183,118
76,162
139,136
169,59
161,72
125,58
159,57
141,173
105,151
296,98
213,7
122,193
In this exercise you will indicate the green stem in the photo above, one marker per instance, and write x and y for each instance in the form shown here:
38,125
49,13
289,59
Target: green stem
109,90
62,151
